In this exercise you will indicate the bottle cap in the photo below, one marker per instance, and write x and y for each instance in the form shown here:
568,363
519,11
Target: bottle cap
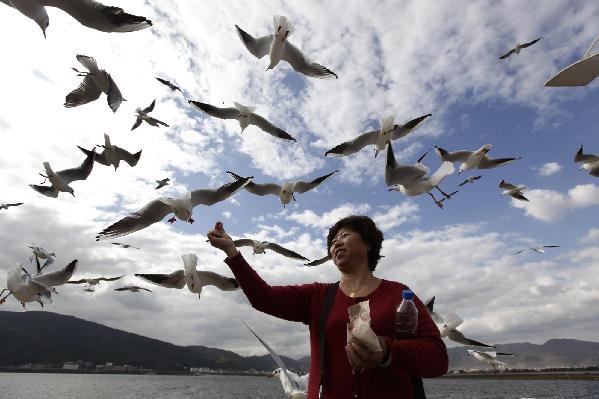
407,294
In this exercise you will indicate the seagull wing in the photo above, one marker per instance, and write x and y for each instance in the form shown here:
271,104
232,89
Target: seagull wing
522,250
456,156
136,124
318,262
87,92
219,281
302,64
587,158
212,196
400,174
126,156
303,186
97,16
458,337
512,51
519,196
110,278
56,278
149,108
270,128
175,279
550,246
115,98
79,173
400,131
82,281
15,204
244,242
152,213
506,185
169,84
353,146
530,43
488,163
48,191
285,252
222,113
258,47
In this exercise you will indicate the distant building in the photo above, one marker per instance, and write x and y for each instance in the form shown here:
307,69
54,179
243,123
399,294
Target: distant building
70,366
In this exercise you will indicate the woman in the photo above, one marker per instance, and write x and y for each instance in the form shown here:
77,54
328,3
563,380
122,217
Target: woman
351,371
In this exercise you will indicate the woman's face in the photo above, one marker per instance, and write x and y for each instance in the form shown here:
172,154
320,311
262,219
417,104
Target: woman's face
348,251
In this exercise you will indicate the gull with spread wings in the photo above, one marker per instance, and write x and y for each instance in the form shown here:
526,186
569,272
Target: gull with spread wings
516,50
260,247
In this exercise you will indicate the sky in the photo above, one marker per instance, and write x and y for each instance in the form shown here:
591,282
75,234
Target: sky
401,58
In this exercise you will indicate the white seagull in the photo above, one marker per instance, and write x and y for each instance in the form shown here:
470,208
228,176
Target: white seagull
60,180
170,85
245,116
539,249
516,50
190,276
8,205
125,246
95,82
295,386
89,282
470,179
132,288
473,159
580,73
489,357
259,247
284,192
379,138
279,48
513,191
113,155
589,162
142,115
162,183
157,209
411,180
89,13
41,253
448,327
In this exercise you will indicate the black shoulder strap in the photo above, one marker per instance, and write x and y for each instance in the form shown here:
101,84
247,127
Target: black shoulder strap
327,304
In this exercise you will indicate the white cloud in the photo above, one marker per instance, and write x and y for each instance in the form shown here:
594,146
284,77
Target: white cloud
548,169
550,205
311,219
592,235
396,215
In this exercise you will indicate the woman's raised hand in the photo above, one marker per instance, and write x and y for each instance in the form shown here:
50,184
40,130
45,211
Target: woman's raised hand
220,239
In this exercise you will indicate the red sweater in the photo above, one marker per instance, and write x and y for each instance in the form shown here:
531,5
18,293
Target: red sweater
424,356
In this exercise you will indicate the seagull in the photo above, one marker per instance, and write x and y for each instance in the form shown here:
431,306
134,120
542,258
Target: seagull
95,82
162,183
157,209
589,162
89,282
489,357
516,50
470,179
132,288
284,192
190,276
295,386
580,73
169,84
318,262
388,131
60,180
6,206
41,253
245,116
412,180
88,12
473,159
113,155
539,250
513,191
142,115
448,327
126,246
259,247
279,48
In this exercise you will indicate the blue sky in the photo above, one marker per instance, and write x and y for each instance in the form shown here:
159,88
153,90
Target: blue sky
438,60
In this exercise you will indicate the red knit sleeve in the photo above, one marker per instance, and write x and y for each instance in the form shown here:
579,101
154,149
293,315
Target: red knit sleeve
289,302
423,356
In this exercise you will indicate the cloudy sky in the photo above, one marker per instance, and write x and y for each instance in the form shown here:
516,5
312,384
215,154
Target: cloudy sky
402,58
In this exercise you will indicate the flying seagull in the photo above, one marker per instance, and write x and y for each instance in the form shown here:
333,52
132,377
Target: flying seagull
95,82
6,206
489,357
284,192
513,191
411,180
259,247
142,115
41,253
157,209
539,250
473,159
113,155
589,162
170,85
89,282
388,131
448,327
162,183
295,386
245,116
60,180
516,50
89,13
279,48
190,276
132,288
126,246
470,179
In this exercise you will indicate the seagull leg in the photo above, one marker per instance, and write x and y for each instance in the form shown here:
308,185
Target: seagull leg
172,220
438,203
2,300
448,196
190,220
44,176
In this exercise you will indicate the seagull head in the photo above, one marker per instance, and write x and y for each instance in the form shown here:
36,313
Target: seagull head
70,190
41,19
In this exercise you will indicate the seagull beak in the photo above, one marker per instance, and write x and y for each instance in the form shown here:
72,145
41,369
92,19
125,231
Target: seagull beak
73,194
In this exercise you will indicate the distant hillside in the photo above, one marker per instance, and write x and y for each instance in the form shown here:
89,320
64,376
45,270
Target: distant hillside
51,338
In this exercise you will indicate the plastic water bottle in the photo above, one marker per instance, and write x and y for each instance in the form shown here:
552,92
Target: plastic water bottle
406,317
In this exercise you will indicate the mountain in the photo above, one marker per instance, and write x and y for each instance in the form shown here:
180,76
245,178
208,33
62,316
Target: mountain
51,338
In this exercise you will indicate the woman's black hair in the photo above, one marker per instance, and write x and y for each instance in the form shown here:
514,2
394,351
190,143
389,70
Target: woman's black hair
370,234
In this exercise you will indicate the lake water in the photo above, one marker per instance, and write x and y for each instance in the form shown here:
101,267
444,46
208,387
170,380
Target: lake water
66,386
